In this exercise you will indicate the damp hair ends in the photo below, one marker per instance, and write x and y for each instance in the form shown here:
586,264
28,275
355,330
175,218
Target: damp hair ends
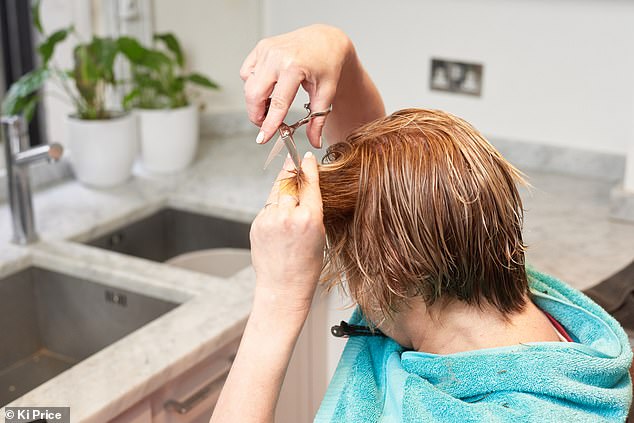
292,185
419,204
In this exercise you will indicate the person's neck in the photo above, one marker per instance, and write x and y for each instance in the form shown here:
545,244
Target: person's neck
458,327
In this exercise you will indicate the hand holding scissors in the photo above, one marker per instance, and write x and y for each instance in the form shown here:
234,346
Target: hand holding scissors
286,136
310,58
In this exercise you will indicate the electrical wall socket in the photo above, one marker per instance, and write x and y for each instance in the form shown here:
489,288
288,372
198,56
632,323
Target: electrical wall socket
456,77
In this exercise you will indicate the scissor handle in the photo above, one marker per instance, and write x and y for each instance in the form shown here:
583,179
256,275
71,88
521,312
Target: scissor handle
309,116
317,114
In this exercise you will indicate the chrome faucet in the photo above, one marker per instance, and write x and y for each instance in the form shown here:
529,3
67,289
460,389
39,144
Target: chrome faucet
19,157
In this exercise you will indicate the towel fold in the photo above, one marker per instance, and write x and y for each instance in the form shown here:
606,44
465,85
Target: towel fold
582,381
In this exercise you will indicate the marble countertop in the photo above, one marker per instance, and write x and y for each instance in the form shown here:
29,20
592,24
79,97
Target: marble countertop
226,180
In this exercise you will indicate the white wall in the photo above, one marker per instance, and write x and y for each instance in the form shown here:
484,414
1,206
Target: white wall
58,14
556,72
217,35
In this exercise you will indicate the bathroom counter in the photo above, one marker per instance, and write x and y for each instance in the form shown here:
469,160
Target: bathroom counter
226,180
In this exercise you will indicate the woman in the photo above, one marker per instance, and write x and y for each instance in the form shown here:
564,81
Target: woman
423,218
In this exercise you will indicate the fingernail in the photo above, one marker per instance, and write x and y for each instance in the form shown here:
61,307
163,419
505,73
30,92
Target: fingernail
260,137
308,155
320,142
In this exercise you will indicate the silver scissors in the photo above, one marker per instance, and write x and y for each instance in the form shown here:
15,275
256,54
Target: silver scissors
286,136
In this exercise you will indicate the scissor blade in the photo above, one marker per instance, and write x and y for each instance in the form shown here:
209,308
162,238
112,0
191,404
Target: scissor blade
292,150
277,147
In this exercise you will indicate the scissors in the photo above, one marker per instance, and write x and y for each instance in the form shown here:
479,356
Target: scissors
286,136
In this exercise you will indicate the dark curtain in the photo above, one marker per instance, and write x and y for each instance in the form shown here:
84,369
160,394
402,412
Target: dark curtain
18,53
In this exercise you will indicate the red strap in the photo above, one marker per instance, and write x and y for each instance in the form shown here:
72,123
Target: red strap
559,327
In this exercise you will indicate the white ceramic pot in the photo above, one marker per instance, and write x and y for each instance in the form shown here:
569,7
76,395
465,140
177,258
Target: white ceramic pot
103,151
169,138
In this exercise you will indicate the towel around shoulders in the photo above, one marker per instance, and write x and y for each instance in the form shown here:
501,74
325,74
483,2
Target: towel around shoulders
582,381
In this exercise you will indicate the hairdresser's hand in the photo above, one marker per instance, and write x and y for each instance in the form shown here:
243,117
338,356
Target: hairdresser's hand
287,244
312,57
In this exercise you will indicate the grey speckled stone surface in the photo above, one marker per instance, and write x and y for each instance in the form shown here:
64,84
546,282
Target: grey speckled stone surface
622,204
567,229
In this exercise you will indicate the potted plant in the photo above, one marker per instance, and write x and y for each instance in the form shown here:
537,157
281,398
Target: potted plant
168,121
102,142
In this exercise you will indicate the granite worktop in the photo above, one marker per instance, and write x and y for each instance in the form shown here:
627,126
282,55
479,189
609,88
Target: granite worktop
226,180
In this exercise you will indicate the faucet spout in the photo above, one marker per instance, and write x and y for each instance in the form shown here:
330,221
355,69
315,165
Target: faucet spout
49,152
18,157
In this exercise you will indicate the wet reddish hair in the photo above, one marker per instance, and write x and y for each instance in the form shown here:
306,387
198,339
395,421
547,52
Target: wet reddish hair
419,204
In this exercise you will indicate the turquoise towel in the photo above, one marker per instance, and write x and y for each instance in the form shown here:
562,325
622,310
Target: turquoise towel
585,381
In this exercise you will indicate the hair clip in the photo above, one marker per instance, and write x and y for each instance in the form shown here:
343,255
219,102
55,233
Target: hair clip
345,330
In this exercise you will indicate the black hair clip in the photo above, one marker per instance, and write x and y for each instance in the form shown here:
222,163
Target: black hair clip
345,330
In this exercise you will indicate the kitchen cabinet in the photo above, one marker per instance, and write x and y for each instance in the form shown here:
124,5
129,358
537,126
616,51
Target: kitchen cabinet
191,396
188,398
314,360
141,412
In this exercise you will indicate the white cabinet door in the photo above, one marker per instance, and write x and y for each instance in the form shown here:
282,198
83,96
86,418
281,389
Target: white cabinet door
141,412
191,397
314,360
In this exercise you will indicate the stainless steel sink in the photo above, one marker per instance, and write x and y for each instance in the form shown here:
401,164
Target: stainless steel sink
171,232
51,321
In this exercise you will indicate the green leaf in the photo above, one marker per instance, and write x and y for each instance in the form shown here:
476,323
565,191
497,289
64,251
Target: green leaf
85,71
203,81
132,49
146,81
93,72
104,52
35,13
47,48
22,90
172,44
29,107
139,55
86,75
156,60
177,86
130,98
23,104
